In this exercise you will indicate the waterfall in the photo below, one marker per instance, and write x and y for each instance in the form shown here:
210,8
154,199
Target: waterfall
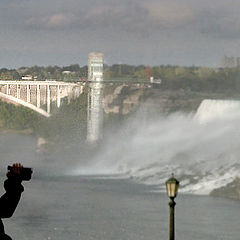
213,110
203,156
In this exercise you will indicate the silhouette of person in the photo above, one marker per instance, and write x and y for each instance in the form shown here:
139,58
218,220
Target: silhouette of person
9,201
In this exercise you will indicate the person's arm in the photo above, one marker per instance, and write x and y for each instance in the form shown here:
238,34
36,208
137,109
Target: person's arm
14,189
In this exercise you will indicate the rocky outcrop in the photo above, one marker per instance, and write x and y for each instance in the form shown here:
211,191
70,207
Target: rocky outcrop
123,100
42,144
108,101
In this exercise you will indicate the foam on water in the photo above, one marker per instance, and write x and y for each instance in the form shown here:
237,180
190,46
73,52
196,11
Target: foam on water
202,156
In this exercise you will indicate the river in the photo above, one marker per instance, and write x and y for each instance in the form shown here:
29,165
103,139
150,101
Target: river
106,207
86,208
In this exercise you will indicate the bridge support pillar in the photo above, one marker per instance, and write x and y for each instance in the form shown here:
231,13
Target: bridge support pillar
7,91
48,99
58,96
38,96
18,91
28,94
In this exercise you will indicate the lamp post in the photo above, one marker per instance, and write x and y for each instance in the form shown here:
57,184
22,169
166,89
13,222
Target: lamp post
172,189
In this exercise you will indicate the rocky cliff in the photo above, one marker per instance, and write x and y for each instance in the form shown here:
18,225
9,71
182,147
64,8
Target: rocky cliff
124,99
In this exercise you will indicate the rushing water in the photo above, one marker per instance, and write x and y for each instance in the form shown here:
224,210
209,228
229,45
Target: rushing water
202,149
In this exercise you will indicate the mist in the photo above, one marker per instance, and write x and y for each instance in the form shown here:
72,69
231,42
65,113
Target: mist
201,149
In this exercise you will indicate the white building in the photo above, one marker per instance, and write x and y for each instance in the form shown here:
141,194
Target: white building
95,97
27,77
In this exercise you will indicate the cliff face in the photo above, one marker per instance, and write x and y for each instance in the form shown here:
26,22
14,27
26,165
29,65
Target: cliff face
125,99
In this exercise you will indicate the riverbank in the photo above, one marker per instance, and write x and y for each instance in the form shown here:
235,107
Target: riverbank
17,131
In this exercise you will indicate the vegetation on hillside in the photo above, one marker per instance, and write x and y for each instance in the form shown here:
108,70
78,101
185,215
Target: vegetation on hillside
14,117
65,125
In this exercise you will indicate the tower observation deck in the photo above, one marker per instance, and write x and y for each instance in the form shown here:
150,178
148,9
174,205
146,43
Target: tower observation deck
95,67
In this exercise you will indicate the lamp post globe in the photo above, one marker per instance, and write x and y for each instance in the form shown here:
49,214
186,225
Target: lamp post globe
172,185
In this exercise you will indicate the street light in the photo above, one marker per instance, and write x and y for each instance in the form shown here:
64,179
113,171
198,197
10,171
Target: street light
172,190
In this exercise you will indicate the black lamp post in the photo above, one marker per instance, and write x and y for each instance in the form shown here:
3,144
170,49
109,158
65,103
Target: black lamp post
172,190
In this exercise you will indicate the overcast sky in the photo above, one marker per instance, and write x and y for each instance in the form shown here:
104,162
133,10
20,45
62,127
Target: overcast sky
153,32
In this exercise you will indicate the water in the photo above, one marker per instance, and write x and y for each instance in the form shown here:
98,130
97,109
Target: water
214,110
107,208
61,204
73,208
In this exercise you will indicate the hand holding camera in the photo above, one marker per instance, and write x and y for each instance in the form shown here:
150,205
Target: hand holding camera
18,171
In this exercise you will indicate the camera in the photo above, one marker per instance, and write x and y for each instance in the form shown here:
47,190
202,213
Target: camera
25,175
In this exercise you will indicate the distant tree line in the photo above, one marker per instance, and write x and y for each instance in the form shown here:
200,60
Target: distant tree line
67,73
222,79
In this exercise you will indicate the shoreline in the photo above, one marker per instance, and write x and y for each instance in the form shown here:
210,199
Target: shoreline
22,131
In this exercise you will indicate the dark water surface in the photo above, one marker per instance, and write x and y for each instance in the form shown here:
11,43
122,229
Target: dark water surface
110,209
94,208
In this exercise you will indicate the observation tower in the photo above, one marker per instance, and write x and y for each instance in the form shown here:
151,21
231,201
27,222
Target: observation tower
95,97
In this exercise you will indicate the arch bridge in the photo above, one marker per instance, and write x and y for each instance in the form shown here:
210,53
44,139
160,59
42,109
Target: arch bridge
38,95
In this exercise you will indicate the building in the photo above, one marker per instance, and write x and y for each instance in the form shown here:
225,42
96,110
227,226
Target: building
29,78
95,97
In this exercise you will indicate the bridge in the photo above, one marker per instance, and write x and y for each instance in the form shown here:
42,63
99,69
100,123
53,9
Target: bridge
39,95
132,82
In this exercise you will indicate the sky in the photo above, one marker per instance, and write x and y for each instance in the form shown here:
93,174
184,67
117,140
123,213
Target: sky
149,32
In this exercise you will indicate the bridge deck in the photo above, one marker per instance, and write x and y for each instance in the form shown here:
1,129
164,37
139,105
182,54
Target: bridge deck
44,83
73,83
